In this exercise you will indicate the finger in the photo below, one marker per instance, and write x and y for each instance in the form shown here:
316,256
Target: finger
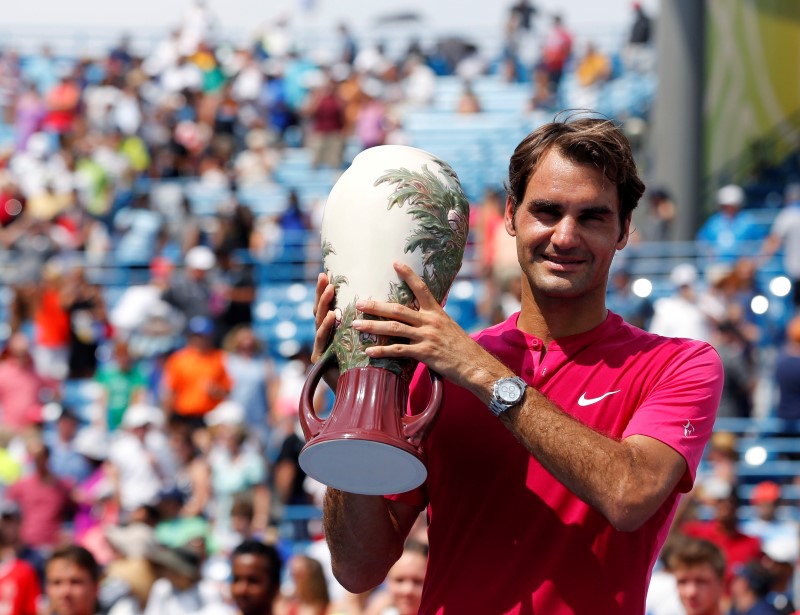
323,305
387,328
322,336
322,284
421,291
390,311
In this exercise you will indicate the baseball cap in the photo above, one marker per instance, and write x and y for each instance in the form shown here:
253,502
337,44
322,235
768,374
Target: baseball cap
91,442
765,492
200,257
139,415
730,195
200,325
226,413
684,274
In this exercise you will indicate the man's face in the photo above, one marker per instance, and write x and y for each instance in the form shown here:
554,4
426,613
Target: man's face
567,229
70,589
252,588
700,589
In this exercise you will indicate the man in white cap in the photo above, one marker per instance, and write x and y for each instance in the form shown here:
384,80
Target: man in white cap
725,235
679,314
138,456
190,291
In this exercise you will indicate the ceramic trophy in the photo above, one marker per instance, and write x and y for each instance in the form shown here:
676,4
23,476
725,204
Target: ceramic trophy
393,203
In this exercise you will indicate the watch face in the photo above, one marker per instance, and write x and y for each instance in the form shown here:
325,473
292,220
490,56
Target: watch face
509,392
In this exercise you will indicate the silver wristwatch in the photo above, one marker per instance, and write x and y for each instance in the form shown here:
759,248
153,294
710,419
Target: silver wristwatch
506,393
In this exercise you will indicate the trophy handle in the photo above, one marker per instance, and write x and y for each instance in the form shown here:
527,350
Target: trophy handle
415,426
309,420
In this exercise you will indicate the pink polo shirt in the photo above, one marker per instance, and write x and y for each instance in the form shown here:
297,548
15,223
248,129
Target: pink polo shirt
505,535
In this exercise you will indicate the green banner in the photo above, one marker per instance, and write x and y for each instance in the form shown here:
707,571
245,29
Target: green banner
752,94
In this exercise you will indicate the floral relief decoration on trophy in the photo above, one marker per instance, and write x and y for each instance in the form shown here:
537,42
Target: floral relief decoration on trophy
440,209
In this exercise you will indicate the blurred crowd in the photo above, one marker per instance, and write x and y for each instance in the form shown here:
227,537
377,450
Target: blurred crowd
150,441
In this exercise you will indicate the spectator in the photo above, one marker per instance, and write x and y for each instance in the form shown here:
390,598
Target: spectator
785,233
325,112
749,589
255,379
787,375
129,576
22,390
593,68
235,468
638,53
51,325
723,530
65,461
88,321
679,315
256,577
544,92
173,528
765,524
699,569
138,229
136,455
179,589
233,294
19,582
193,478
73,581
727,234
190,292
310,593
556,50
194,380
659,217
96,507
44,501
404,583
522,13
468,102
255,164
124,384
370,118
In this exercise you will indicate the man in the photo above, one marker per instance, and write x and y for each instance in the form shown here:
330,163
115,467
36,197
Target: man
44,500
195,380
66,462
751,584
766,525
73,579
557,497
723,529
727,234
785,233
19,583
256,577
139,457
699,569
190,291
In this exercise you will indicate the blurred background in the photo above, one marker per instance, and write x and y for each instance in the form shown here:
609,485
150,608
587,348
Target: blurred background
163,173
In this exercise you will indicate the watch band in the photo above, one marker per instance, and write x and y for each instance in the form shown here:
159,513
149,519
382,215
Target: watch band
497,406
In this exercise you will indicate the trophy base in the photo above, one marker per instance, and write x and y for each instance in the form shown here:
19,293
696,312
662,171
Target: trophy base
365,467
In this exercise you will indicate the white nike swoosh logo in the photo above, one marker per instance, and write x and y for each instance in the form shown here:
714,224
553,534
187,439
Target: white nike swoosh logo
588,401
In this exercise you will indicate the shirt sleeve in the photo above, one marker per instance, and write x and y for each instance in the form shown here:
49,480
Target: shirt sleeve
680,410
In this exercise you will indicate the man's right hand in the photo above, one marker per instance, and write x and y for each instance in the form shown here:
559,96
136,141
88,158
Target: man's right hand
325,321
